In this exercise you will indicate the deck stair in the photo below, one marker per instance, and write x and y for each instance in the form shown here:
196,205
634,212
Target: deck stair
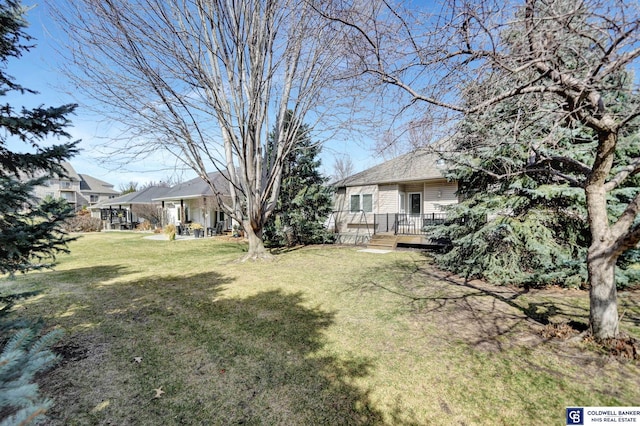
383,242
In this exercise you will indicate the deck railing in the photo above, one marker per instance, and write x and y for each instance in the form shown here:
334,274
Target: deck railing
406,223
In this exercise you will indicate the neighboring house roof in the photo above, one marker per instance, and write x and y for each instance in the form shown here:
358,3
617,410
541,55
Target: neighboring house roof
196,188
421,164
91,184
71,172
144,196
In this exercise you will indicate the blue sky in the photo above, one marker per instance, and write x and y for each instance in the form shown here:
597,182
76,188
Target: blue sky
39,70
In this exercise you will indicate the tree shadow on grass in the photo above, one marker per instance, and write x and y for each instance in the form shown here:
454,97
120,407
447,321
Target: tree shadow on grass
42,279
480,313
85,275
265,353
260,359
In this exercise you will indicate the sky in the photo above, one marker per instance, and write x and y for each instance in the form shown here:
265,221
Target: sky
39,69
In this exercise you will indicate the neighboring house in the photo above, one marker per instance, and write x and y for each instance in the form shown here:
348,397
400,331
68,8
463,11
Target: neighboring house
126,211
79,190
66,188
194,202
400,197
95,190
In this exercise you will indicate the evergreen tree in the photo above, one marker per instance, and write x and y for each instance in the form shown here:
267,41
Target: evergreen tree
304,202
22,357
521,166
30,232
30,229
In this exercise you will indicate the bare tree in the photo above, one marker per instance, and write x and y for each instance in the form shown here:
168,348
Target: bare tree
391,144
126,188
342,167
576,56
206,80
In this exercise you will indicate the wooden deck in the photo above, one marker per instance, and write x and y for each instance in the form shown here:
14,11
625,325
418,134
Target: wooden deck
389,241
383,242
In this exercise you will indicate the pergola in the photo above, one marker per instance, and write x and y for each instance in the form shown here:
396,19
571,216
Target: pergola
117,213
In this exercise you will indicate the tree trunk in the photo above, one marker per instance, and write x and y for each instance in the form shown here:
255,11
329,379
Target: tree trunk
603,315
602,254
256,251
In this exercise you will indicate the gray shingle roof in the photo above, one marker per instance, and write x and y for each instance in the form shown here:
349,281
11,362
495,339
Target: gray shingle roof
144,196
196,188
91,184
421,164
71,172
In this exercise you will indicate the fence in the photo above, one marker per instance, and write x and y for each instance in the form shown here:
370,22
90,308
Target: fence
407,224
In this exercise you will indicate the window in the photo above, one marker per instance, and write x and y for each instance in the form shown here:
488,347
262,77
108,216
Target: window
65,185
366,205
415,201
355,203
186,214
93,198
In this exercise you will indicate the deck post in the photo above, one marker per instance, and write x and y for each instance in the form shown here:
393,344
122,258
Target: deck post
396,221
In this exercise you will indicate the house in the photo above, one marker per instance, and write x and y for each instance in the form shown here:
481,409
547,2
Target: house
193,201
183,204
126,211
80,190
66,188
399,197
95,190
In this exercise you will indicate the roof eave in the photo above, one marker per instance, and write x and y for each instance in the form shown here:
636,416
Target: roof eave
390,181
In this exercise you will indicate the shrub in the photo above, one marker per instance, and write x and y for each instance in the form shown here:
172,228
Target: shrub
170,230
145,226
83,223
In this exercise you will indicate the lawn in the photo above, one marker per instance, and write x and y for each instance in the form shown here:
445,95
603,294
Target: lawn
176,332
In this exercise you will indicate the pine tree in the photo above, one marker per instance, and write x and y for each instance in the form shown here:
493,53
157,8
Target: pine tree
521,166
23,356
30,229
304,202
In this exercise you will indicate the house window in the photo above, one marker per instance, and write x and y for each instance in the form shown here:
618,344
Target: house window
362,202
415,203
367,203
67,196
93,198
65,184
186,214
355,203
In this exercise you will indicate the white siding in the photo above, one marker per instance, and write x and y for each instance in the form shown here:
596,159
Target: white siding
387,199
436,194
439,194
413,187
355,222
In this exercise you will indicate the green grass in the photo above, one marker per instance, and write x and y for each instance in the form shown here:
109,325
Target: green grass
321,336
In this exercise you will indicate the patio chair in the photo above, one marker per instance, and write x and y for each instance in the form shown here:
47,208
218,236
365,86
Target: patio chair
219,227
